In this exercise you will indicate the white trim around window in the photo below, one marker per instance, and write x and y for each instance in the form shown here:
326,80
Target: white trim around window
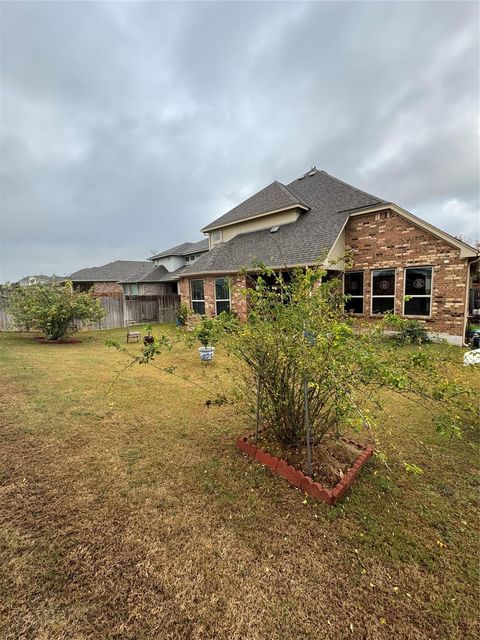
429,296
386,271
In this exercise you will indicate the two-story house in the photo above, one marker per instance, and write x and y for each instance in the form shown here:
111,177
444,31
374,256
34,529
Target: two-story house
158,275
401,263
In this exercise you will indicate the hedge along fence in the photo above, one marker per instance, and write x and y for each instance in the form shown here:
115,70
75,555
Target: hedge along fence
118,312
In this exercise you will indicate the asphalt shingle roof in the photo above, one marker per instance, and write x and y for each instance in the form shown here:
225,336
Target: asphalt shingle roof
112,272
300,242
155,274
275,196
184,249
173,276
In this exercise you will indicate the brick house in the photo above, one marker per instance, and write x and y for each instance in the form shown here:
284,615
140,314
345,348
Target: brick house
395,254
106,280
157,276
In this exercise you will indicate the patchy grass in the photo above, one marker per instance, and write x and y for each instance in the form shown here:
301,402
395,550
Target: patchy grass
128,513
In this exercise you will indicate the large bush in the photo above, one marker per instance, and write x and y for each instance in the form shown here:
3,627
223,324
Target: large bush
299,340
53,308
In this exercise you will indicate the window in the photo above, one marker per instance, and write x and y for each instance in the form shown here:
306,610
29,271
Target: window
353,287
418,288
222,295
383,291
197,296
216,236
131,289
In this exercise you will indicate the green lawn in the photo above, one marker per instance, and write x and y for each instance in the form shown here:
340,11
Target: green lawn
128,513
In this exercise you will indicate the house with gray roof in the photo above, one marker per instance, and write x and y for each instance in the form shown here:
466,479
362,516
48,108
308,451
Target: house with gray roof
401,263
158,275
106,280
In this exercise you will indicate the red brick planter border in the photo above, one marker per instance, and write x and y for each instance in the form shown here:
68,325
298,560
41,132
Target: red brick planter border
299,479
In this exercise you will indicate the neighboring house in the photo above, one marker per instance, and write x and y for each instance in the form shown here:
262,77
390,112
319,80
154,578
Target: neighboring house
105,280
157,276
38,280
317,216
176,259
150,283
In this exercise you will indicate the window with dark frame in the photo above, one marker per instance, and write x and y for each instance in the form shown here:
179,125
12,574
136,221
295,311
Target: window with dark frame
353,287
418,289
383,291
197,296
222,295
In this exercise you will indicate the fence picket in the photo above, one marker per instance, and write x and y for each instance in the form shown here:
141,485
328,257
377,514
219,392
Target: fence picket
119,311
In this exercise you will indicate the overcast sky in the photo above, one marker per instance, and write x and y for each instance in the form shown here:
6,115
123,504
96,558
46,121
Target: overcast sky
126,127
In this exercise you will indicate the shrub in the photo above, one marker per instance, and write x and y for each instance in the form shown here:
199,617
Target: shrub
53,308
183,313
299,339
207,331
408,331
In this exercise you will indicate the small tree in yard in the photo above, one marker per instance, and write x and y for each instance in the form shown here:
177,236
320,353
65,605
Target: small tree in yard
299,350
300,345
52,308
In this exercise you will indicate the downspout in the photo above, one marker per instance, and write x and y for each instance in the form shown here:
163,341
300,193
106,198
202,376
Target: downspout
467,292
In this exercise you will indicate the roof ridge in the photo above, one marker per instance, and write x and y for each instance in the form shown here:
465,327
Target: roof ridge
293,196
365,193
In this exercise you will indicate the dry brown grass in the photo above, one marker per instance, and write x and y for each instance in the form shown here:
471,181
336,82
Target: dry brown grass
131,515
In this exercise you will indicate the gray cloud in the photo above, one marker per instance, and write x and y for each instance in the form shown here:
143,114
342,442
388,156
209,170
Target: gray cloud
126,127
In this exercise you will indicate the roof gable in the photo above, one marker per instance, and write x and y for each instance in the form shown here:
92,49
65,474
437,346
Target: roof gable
274,197
183,249
155,274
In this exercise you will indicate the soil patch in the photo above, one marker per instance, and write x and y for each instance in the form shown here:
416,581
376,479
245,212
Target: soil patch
331,458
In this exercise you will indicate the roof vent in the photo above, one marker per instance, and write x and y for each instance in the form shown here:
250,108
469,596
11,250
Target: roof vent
274,229
312,171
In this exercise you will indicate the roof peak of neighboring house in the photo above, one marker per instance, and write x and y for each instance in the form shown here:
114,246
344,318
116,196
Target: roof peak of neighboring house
39,278
183,249
154,274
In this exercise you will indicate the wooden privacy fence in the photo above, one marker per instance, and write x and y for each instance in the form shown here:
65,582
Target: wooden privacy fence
118,312
6,323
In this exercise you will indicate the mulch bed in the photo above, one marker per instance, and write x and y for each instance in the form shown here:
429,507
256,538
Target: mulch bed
66,341
331,458
335,464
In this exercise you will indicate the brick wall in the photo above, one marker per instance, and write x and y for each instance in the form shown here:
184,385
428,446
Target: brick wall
387,240
238,302
110,289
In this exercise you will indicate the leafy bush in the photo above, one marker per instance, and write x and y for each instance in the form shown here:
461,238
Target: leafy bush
413,332
182,315
408,331
207,331
298,334
53,308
